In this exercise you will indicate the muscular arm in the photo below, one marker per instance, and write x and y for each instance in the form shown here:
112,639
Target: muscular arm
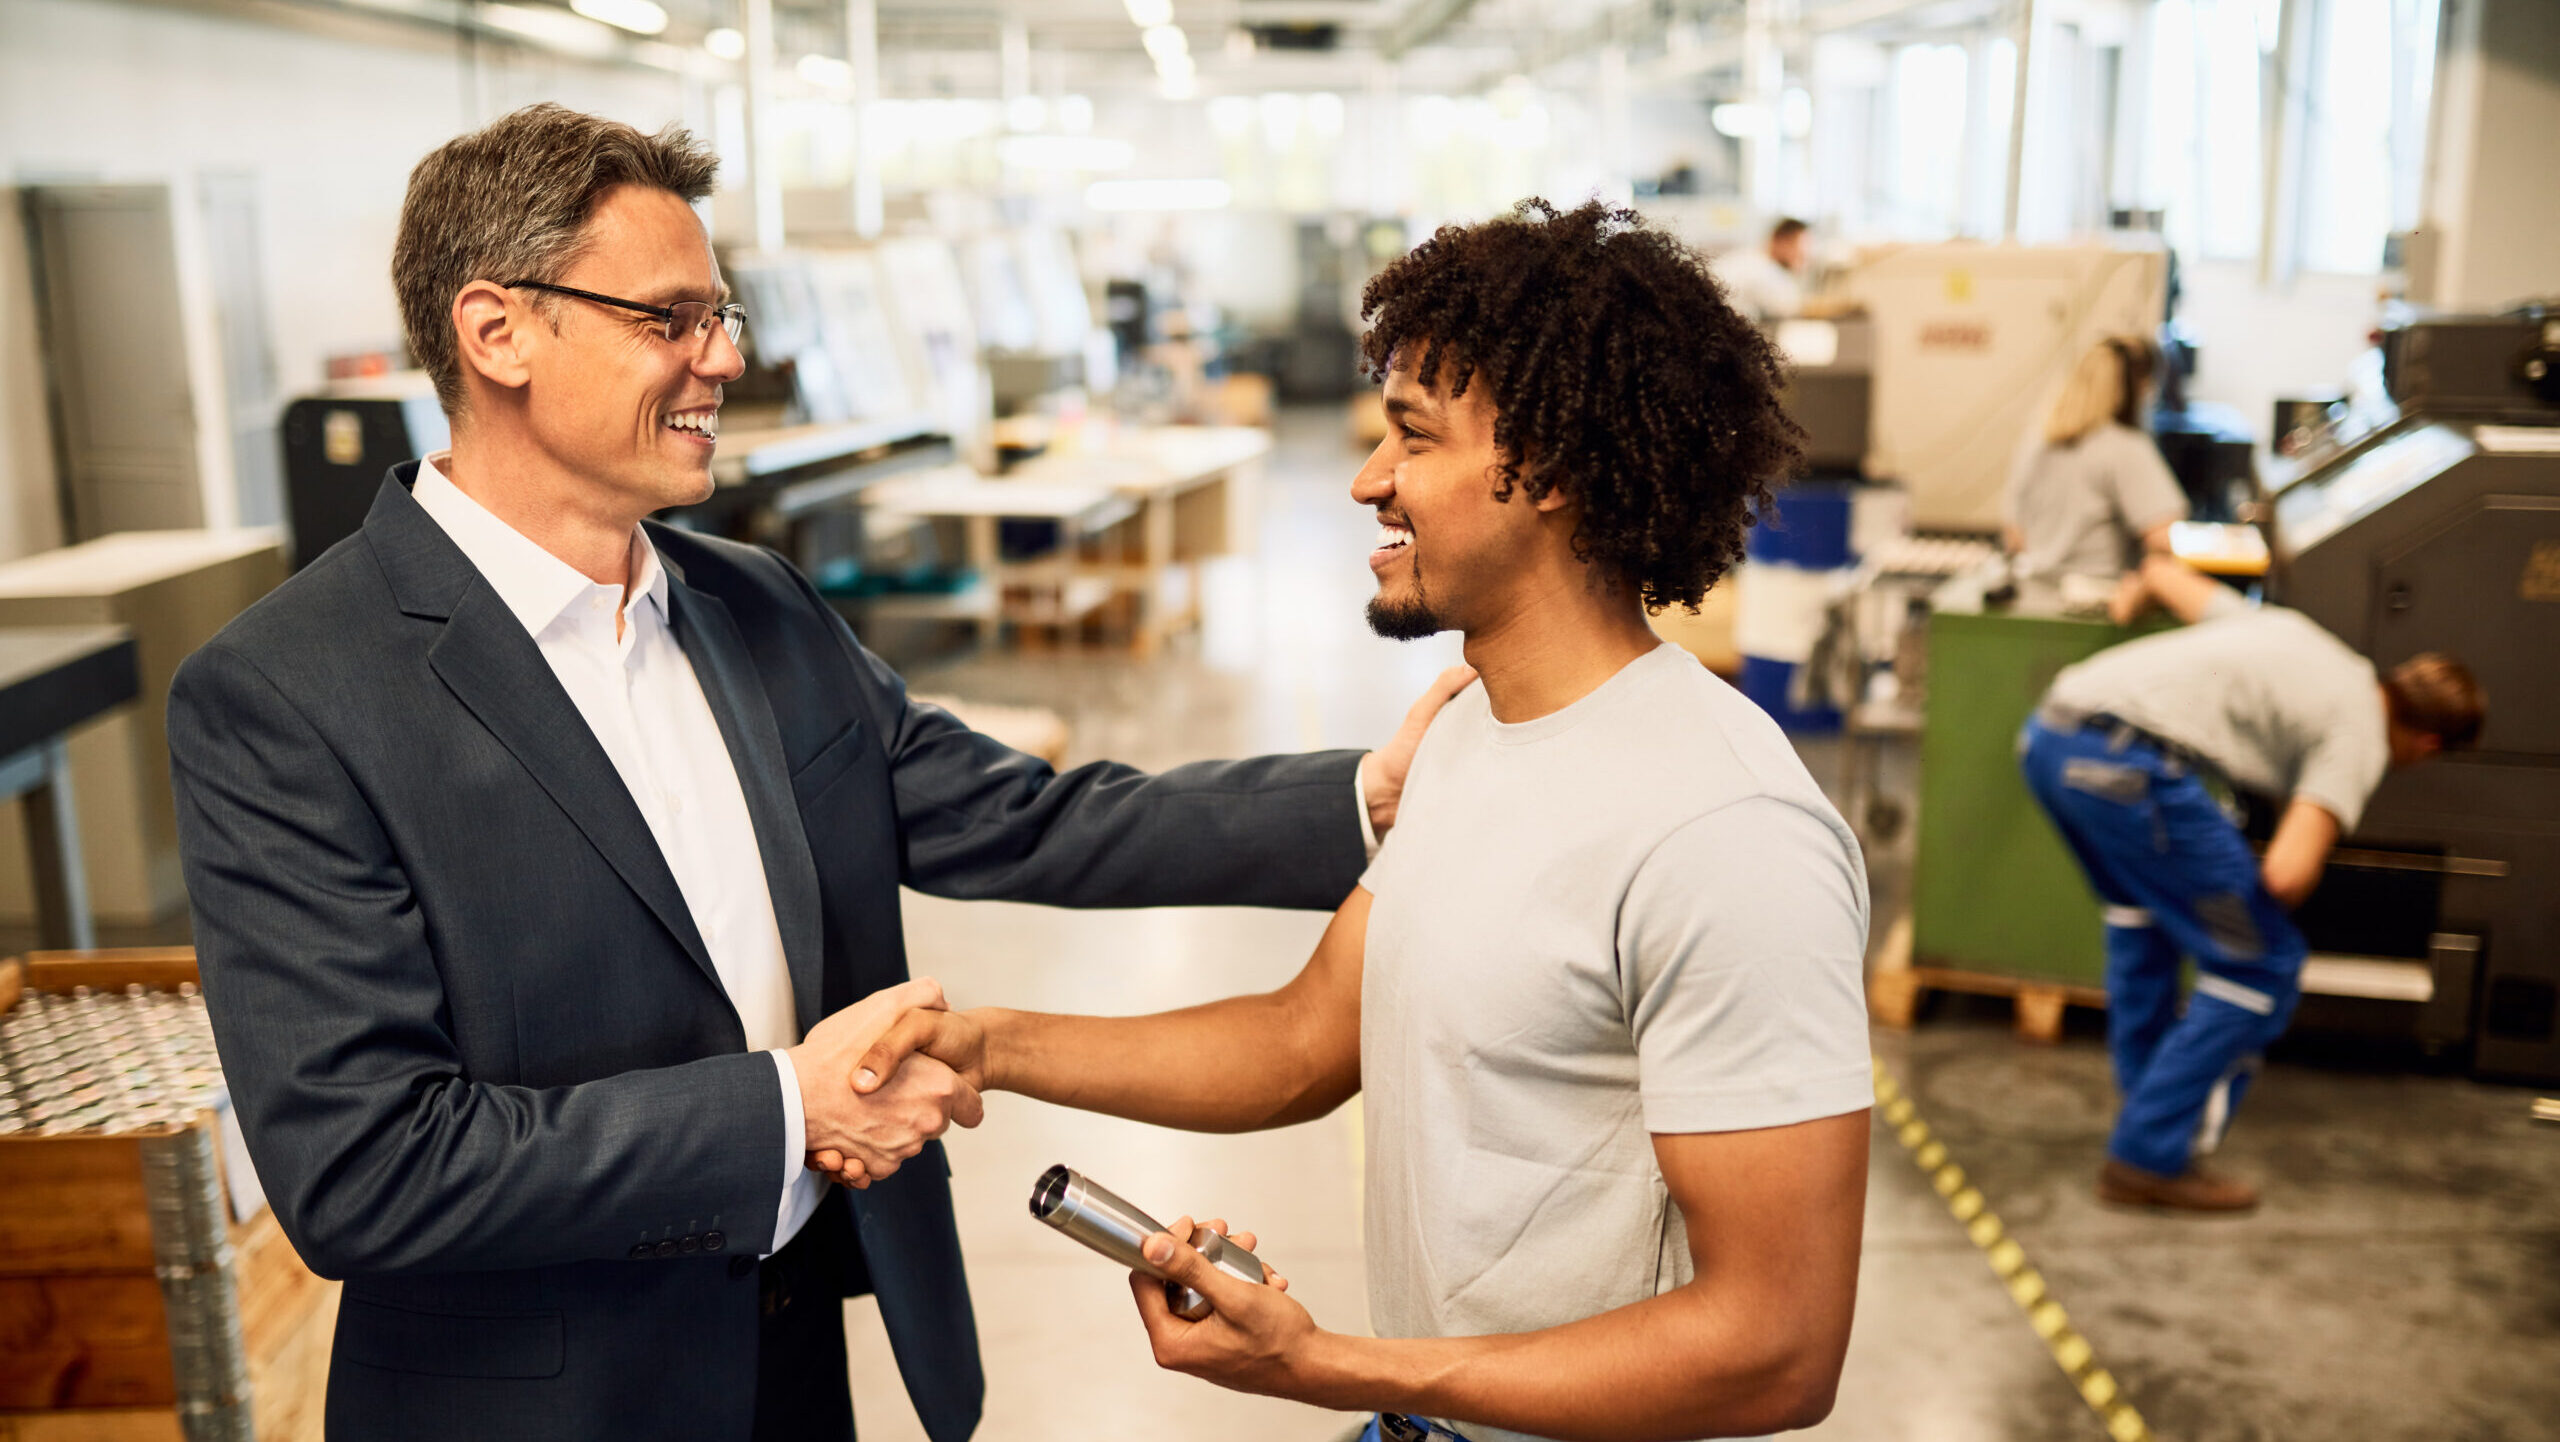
1237,1065
1752,1344
2300,848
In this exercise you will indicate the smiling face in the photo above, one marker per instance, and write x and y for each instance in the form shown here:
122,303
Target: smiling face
612,400
1448,554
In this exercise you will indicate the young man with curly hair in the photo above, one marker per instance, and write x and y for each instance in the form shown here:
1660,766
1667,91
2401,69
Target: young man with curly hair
1601,987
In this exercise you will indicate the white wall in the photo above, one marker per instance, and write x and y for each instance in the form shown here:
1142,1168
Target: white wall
327,122
2257,344
2490,188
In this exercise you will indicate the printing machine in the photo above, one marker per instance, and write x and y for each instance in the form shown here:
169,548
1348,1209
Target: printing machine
2440,531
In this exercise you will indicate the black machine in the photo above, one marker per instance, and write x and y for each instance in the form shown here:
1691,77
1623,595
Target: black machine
2441,532
336,450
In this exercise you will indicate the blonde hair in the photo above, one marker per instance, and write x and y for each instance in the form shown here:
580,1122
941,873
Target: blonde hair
2105,386
510,202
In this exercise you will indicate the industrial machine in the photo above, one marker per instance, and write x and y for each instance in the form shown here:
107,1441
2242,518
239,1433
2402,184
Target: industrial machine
2441,532
337,447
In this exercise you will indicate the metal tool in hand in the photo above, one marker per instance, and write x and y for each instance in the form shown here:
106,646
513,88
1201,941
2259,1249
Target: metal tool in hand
1089,1212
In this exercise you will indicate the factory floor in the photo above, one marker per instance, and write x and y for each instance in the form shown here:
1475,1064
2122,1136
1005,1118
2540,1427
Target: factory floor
2402,1280
2401,1283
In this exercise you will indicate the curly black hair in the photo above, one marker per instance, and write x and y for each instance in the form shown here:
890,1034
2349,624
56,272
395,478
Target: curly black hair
1616,370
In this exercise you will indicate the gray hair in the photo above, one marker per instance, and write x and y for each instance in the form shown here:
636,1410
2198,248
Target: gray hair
510,202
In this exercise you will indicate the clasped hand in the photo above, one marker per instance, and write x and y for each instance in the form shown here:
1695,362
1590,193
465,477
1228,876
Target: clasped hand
860,1135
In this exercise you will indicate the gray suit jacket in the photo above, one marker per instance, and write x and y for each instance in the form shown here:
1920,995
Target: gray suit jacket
486,1070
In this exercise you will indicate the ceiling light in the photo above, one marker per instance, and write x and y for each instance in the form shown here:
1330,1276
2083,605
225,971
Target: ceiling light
640,17
556,28
1164,40
1026,113
1158,195
826,72
1739,119
726,43
1075,113
1147,14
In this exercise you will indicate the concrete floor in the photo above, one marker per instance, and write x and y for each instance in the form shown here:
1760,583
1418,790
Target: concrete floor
2402,1282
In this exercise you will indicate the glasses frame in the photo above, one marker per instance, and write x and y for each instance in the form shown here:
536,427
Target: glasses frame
732,316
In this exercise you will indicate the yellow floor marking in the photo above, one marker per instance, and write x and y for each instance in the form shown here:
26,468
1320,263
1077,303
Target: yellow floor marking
2025,1285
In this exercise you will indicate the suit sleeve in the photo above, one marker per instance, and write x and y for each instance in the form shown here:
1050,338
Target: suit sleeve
978,820
377,1152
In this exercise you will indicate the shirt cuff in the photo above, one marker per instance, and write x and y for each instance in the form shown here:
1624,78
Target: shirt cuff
801,1187
1360,806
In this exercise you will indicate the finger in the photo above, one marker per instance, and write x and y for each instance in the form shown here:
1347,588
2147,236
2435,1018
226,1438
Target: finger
1153,1309
922,992
968,1109
1184,1264
1274,1280
909,1034
1245,1240
828,1159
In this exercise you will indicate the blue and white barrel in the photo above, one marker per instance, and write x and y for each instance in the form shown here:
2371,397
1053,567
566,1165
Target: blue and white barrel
1792,569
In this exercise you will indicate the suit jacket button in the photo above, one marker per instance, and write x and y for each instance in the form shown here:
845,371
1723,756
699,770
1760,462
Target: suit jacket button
666,1248
690,1245
742,1267
714,1241
640,1251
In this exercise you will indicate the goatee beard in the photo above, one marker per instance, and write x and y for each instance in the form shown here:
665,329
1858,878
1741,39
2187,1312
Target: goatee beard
1404,620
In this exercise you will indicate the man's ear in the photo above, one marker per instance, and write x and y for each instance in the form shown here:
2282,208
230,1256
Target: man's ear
490,331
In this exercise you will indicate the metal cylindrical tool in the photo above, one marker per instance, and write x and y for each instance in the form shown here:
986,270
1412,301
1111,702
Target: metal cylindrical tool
1092,1214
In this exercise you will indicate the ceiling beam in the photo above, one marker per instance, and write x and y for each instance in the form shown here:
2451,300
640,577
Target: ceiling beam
1420,24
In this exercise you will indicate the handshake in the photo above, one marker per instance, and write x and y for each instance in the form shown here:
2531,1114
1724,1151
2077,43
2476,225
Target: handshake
884,1076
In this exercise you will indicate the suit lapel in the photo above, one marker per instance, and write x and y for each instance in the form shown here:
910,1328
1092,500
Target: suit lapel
496,670
721,663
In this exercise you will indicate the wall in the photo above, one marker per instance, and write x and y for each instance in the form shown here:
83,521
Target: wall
2259,344
2490,192
325,120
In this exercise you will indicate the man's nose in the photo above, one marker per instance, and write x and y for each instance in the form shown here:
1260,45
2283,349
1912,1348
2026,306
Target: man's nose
720,360
1377,479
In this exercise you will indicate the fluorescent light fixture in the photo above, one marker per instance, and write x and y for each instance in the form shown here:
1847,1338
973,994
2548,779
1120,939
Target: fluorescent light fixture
556,28
1066,152
1181,84
1164,40
1158,195
726,43
1739,119
1147,14
826,72
640,17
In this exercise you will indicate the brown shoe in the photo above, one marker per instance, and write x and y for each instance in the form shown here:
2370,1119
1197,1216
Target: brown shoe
2193,1190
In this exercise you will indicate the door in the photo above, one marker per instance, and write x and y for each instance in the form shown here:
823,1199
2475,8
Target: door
107,281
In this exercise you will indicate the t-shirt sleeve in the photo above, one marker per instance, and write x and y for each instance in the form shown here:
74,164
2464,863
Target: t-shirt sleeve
2343,767
1741,944
2147,495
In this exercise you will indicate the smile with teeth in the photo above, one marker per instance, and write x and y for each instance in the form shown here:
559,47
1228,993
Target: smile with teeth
703,423
1391,537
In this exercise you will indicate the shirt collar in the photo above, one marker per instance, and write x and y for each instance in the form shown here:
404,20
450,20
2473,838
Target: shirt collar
535,584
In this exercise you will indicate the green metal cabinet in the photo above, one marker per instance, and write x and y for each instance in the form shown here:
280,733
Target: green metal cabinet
1994,888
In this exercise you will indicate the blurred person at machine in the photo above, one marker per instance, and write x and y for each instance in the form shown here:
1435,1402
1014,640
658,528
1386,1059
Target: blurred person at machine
545,864
1766,282
2091,497
2119,754
1600,990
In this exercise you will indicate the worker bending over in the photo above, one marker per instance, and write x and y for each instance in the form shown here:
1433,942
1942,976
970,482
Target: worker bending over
1601,986
2118,754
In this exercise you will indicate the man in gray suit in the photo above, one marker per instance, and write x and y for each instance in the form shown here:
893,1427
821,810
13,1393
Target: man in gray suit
545,866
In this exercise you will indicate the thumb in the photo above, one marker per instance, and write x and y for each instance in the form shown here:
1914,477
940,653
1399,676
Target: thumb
1181,1262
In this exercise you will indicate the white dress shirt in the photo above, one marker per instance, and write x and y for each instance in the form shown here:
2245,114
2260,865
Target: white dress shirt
635,688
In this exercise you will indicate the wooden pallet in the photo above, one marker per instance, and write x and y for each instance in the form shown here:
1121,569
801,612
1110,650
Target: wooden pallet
1895,986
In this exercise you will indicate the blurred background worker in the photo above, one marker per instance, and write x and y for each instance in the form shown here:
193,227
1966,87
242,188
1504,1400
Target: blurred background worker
2118,754
2083,508
1767,284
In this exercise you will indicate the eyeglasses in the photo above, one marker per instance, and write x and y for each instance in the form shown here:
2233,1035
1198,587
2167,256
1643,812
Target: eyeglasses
686,320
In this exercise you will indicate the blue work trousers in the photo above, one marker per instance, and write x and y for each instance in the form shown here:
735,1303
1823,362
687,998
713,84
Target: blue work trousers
2177,879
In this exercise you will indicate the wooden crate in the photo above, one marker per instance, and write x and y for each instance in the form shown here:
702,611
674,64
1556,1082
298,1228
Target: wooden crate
1895,986
85,1324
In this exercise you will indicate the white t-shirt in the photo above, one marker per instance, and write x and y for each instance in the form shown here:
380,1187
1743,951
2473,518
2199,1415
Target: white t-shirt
1758,286
2083,508
1635,915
